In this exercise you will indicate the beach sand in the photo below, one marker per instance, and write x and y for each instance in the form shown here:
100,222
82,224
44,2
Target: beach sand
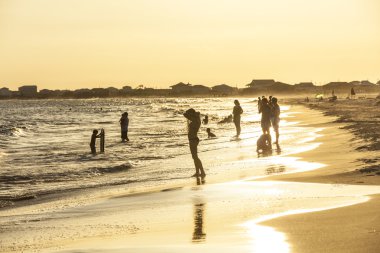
319,210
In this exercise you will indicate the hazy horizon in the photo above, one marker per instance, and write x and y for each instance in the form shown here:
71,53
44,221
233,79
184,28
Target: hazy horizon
85,44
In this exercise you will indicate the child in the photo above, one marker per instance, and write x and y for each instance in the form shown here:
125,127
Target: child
264,143
93,141
205,120
210,135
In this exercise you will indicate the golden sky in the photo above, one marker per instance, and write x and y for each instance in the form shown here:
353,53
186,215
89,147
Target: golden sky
69,44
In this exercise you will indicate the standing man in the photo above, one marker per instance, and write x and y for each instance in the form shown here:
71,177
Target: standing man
276,118
237,111
266,112
124,123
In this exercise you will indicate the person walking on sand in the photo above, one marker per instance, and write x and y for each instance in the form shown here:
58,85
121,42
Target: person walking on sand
276,118
237,111
194,123
265,116
124,123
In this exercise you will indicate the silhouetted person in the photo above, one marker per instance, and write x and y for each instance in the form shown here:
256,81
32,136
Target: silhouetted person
264,143
209,134
205,120
265,116
194,123
259,104
227,119
93,140
237,111
124,123
270,100
353,92
276,118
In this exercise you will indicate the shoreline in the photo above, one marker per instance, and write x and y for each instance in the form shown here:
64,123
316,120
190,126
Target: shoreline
197,197
353,228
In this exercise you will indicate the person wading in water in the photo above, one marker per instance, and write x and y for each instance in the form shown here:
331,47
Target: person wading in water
237,111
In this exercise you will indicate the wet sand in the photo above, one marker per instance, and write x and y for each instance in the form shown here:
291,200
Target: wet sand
349,229
246,215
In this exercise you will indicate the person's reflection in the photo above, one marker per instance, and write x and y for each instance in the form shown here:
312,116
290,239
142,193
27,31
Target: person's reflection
278,149
275,169
198,235
200,181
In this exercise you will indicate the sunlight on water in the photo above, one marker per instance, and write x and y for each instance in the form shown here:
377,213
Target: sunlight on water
266,239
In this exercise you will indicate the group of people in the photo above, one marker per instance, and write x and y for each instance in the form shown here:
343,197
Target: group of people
270,116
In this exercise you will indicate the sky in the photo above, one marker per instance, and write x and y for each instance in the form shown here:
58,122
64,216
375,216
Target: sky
70,44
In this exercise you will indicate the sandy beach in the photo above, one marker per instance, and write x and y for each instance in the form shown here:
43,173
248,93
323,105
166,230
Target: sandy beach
314,199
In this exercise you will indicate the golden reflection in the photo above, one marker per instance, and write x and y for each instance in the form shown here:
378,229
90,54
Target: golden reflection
199,234
200,181
266,239
275,169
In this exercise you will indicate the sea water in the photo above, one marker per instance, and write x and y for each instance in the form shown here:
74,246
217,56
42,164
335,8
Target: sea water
44,144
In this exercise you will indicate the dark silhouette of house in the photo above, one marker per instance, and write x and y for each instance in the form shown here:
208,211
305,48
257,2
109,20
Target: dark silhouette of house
181,88
200,89
261,83
268,86
28,91
224,89
5,93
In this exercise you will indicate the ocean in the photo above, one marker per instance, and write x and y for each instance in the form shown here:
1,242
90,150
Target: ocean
44,144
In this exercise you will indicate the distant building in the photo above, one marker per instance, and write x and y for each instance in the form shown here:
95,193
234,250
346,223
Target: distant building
181,88
45,93
337,85
28,91
305,87
224,89
200,89
261,83
5,93
366,83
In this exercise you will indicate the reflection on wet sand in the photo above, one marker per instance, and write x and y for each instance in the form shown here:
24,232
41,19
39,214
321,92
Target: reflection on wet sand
274,169
200,181
269,152
199,235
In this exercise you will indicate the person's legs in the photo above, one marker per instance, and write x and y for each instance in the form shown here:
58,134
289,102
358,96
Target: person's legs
126,135
197,162
93,149
277,131
122,136
277,135
237,125
194,154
